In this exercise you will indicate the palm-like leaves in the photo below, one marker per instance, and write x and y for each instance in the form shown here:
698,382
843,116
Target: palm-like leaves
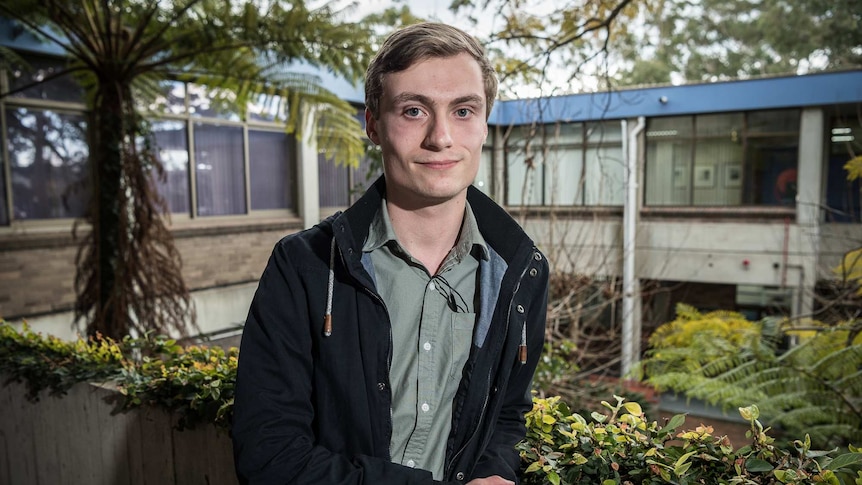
128,268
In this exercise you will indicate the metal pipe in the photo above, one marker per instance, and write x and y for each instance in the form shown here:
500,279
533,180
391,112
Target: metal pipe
631,285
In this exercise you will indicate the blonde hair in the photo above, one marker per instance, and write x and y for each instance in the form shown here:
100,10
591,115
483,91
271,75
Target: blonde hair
417,42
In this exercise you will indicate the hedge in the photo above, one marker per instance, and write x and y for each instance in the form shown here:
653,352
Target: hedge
616,446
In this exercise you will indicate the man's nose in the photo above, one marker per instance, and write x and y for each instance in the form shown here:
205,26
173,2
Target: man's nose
439,135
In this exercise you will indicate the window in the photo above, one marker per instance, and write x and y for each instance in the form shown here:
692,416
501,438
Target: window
43,81
171,145
333,183
340,185
270,170
219,170
845,142
48,163
485,175
570,164
729,159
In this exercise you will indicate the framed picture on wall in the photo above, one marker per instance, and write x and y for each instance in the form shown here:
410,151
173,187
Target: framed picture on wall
704,176
733,175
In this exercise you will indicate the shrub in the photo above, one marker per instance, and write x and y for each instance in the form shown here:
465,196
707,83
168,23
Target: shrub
622,447
618,446
196,382
814,387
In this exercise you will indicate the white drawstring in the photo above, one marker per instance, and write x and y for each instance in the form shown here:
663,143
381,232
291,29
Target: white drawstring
327,318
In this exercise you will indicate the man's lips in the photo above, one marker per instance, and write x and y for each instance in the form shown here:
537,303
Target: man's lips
438,163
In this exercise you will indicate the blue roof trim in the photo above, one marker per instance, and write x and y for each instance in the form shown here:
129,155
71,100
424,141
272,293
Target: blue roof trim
15,36
754,94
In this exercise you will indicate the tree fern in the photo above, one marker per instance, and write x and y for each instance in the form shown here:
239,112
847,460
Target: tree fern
128,269
814,387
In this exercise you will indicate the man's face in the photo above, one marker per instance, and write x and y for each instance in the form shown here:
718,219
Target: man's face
431,129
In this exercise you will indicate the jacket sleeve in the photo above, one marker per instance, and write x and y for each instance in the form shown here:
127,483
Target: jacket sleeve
272,428
500,456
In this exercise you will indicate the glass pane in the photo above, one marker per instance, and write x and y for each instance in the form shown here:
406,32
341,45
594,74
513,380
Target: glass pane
219,171
524,177
727,126
784,121
670,127
605,176
485,174
171,99
267,108
770,171
565,183
212,103
333,183
271,170
668,172
48,157
171,142
718,176
4,209
40,70
842,195
604,132
364,176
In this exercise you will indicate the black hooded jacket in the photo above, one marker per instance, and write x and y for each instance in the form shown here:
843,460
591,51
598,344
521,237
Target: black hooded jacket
315,409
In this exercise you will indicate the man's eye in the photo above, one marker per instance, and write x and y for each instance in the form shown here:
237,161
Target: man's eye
463,112
413,112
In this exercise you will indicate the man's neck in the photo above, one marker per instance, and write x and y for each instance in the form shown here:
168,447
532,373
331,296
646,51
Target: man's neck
428,233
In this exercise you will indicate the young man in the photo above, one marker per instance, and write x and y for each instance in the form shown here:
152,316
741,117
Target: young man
395,343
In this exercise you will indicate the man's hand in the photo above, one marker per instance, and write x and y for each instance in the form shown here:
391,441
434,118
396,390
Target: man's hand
495,480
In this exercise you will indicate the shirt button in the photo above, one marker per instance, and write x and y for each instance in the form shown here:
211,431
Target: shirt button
520,308
427,346
381,386
425,407
431,286
537,256
411,463
534,272
459,475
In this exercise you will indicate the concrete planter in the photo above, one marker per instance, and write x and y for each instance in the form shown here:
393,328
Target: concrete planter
79,439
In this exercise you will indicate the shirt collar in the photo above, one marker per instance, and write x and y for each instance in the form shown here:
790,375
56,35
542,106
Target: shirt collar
381,232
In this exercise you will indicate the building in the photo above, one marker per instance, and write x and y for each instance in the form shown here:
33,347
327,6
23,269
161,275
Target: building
726,195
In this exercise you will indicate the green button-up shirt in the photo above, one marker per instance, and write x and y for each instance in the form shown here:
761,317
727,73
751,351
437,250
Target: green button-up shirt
432,320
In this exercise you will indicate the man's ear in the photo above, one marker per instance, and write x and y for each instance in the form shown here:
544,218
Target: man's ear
371,127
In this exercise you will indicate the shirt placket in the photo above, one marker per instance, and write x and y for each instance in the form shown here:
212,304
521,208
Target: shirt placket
426,402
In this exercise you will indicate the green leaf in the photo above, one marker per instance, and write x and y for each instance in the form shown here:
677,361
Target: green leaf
553,478
845,460
757,465
633,408
675,422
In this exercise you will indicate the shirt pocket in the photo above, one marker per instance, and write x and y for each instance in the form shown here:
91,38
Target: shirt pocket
462,339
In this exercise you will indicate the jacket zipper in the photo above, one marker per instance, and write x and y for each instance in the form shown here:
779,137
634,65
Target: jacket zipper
488,381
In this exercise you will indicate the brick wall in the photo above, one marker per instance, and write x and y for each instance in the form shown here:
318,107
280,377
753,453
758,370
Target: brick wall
37,270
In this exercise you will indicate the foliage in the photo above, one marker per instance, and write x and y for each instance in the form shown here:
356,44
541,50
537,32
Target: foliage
813,387
561,447
555,366
195,382
122,52
710,40
49,363
549,45
620,446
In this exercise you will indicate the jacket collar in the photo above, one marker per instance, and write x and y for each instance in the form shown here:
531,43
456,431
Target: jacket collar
500,231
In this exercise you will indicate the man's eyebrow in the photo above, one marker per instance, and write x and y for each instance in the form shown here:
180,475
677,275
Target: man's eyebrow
408,97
